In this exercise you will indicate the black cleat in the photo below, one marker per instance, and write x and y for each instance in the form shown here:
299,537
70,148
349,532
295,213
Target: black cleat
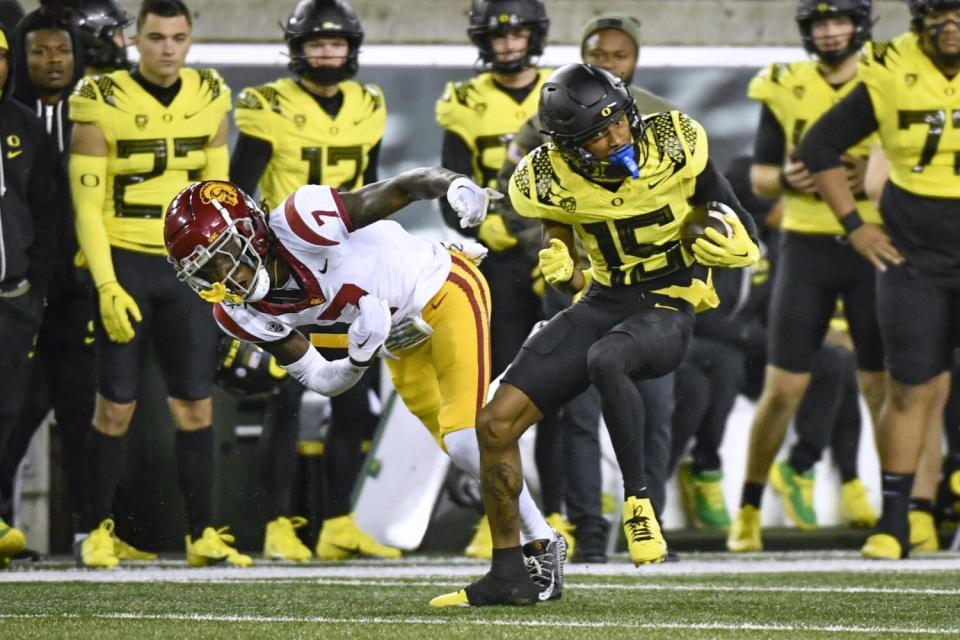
489,591
544,559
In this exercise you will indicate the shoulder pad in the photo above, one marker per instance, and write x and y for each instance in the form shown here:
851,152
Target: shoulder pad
667,138
270,95
373,93
211,78
878,52
543,174
778,70
248,99
107,88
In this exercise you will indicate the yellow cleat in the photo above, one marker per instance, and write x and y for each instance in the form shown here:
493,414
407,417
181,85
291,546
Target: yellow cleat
341,539
456,599
923,532
126,551
645,541
745,531
882,546
562,526
12,542
213,547
796,492
97,550
481,546
855,507
281,541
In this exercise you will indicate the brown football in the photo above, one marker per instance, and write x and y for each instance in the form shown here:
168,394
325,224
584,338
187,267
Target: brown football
699,220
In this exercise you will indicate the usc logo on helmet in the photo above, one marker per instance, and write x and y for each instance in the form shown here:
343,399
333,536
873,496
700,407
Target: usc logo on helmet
222,192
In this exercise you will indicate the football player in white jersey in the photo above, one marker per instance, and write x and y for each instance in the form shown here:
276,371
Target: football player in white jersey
322,257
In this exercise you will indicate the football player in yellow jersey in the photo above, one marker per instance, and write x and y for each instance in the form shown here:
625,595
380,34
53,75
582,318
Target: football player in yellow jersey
625,186
908,92
478,117
140,137
814,270
320,127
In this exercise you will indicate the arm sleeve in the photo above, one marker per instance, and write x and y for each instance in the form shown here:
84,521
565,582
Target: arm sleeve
711,185
455,156
849,121
87,178
372,172
325,377
45,200
769,147
250,158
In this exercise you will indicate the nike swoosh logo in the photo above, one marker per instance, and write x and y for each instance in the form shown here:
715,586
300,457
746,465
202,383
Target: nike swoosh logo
364,343
437,304
13,154
187,116
656,183
325,263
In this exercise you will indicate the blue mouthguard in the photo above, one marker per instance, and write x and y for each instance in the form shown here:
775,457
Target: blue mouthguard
625,157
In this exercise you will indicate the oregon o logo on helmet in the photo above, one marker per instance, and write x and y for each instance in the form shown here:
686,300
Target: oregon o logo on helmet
220,191
606,111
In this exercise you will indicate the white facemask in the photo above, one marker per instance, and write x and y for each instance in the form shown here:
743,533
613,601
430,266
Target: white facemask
261,286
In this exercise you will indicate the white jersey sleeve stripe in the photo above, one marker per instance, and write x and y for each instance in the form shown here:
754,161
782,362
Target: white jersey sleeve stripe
231,327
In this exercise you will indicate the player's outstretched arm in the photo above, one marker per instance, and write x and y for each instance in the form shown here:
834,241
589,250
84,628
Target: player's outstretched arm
378,200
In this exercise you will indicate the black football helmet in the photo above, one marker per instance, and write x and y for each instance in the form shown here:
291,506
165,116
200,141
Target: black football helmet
579,101
97,21
313,18
920,8
859,11
247,370
489,17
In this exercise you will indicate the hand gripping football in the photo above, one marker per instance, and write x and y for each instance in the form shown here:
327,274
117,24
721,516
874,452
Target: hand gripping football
703,217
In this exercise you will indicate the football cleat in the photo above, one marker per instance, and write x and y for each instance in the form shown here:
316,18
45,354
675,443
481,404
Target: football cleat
126,551
882,546
97,549
490,590
565,528
923,532
855,507
213,547
544,560
341,539
481,545
745,531
796,491
281,542
12,542
645,542
703,499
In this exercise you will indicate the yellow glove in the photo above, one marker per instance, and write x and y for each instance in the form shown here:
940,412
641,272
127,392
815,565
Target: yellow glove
493,233
716,250
538,285
556,263
116,309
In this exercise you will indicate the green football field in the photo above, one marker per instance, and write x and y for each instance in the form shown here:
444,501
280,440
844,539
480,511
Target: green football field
787,595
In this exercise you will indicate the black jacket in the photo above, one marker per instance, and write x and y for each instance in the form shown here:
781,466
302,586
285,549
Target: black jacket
30,188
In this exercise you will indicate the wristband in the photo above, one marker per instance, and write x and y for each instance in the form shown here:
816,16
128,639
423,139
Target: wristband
851,222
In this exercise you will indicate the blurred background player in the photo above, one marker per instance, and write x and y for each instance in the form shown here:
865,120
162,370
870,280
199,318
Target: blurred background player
174,123
11,12
568,444
100,25
30,182
509,36
905,94
813,270
320,127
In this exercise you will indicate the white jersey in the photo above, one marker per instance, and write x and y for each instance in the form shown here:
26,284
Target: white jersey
333,266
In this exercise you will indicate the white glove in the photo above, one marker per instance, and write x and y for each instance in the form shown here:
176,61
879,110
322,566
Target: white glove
366,334
471,249
470,201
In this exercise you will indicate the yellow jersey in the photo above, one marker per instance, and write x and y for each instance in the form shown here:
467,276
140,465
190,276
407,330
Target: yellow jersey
797,95
918,110
631,235
309,146
486,117
153,151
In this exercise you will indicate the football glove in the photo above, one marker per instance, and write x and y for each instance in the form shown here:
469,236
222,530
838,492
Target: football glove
713,249
493,233
116,310
537,284
556,263
367,333
470,201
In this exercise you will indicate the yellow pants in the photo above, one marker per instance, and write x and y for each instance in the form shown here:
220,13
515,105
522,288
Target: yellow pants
444,381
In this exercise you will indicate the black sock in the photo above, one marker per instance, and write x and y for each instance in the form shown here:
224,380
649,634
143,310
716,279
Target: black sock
103,465
705,461
508,564
803,455
921,504
194,451
752,494
896,500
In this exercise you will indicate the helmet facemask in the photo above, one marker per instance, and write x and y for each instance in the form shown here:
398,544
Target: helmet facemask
932,32
300,65
624,162
857,10
494,18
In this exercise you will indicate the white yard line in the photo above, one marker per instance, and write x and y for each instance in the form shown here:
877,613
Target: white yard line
447,620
